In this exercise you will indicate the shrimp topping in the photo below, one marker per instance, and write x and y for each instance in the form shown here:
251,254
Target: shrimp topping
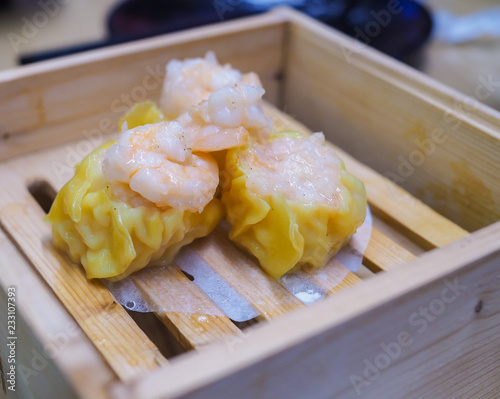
191,81
157,163
216,108
227,119
164,162
304,170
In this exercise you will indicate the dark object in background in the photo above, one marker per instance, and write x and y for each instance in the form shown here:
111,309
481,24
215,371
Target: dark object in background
4,4
152,17
397,28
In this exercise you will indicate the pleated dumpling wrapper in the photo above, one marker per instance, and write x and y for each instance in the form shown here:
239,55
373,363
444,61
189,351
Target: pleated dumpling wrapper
112,231
290,201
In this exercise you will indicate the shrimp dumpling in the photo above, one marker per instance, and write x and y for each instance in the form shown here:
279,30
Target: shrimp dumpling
290,201
112,230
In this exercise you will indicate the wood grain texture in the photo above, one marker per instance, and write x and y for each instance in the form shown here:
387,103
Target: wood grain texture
419,222
451,352
396,236
125,347
54,357
170,288
436,143
383,254
348,281
243,273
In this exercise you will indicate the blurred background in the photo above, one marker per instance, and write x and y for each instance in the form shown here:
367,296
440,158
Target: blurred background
455,41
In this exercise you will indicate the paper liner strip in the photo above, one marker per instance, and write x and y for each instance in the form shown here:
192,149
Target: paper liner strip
309,285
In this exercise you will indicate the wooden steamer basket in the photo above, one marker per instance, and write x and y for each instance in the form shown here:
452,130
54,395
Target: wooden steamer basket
427,326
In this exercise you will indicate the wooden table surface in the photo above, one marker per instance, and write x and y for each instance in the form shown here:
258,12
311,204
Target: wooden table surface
77,21
464,66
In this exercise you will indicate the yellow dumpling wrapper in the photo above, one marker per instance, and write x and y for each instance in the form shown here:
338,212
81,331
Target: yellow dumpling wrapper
141,114
112,237
284,234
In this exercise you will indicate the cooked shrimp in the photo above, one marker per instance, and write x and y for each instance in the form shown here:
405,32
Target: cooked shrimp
156,162
191,81
164,163
227,119
301,169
